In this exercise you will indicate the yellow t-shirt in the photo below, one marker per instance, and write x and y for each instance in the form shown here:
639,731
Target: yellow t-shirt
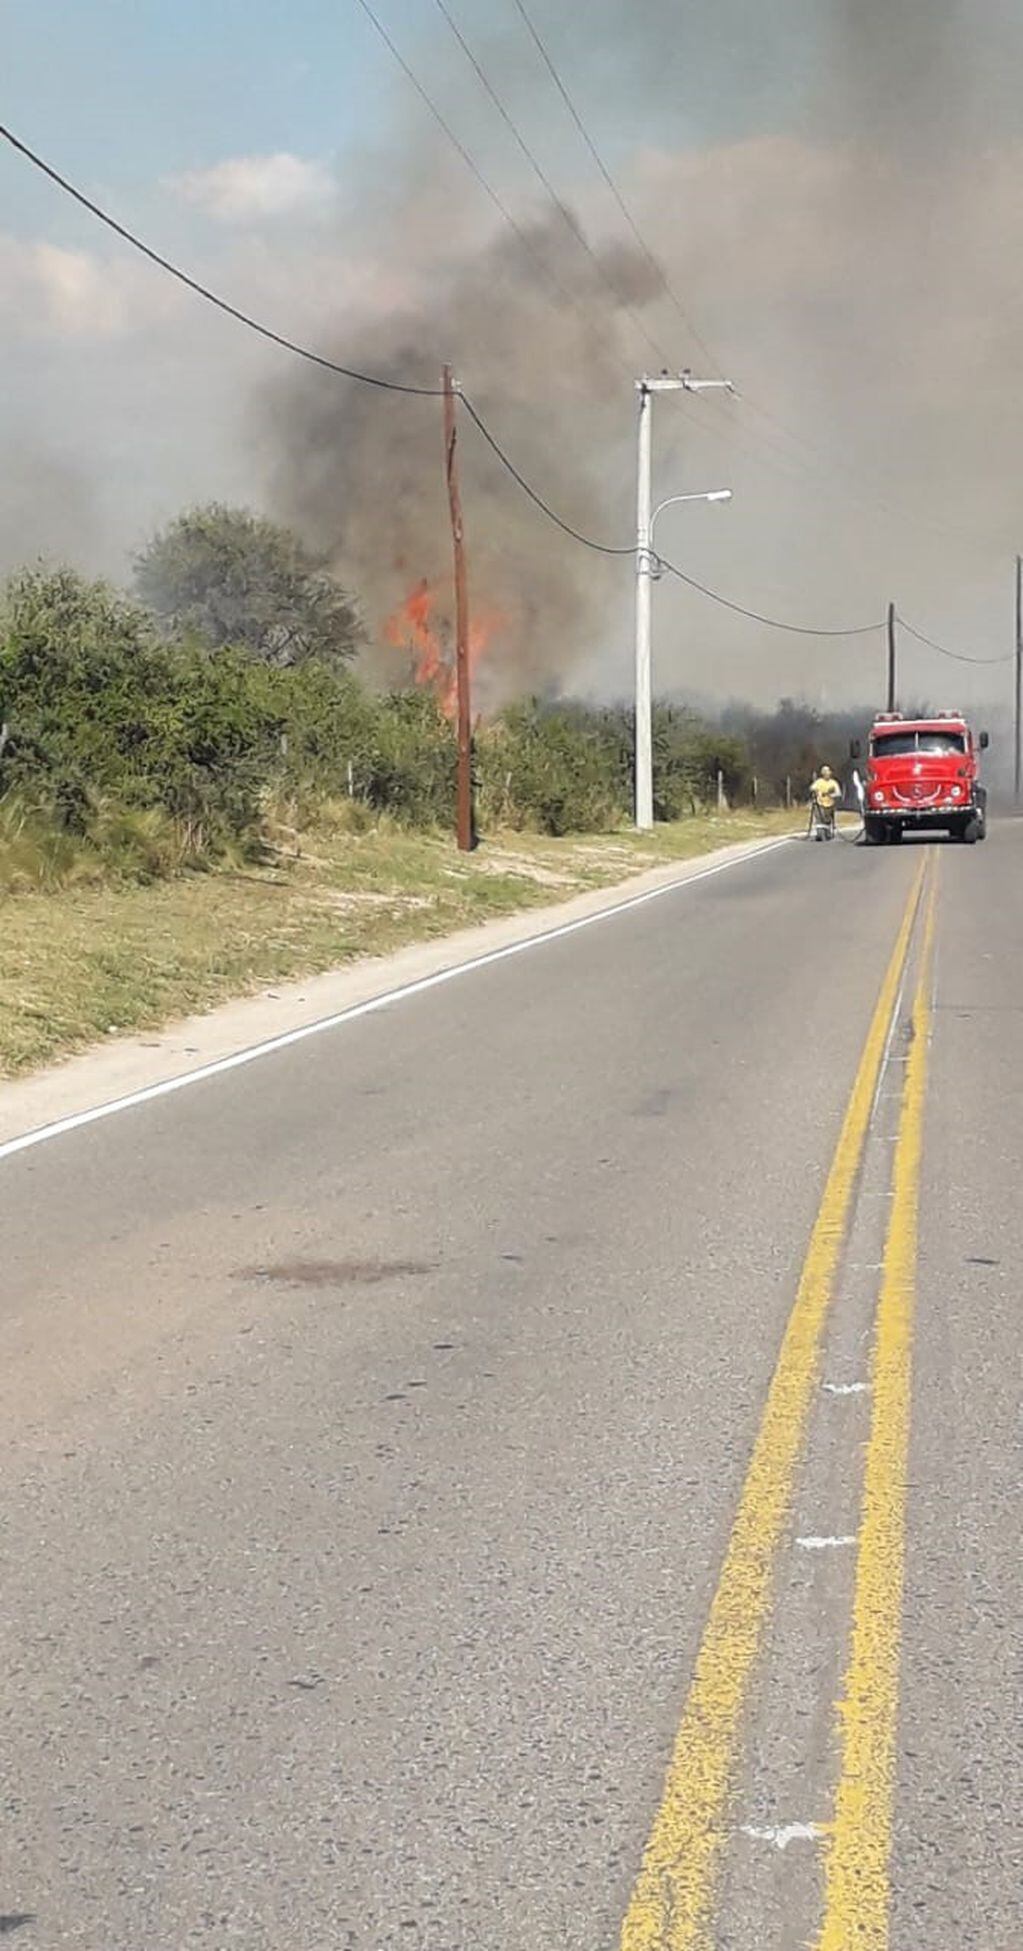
827,792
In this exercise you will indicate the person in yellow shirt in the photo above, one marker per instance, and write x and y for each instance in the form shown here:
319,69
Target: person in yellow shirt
825,793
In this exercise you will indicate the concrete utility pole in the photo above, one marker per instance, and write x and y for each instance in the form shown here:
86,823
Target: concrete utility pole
646,566
1018,785
891,705
644,752
465,821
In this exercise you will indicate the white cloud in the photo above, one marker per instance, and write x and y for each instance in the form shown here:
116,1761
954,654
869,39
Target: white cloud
75,295
84,298
247,187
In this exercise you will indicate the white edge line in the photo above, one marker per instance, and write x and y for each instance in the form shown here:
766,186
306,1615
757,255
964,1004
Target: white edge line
221,1065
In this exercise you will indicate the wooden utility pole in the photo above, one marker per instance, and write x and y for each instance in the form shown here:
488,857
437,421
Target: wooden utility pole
891,658
465,825
1018,677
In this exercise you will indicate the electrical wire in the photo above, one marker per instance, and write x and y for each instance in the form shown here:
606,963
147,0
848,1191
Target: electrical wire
603,548
809,456
654,262
814,460
433,392
203,291
542,177
755,616
442,123
279,339
550,276
599,548
958,656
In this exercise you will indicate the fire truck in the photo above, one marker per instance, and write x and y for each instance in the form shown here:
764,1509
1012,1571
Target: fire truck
923,774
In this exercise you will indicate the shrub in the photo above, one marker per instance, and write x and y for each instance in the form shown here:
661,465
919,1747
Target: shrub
122,747
554,768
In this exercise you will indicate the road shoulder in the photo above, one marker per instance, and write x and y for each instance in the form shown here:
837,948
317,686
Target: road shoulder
99,1077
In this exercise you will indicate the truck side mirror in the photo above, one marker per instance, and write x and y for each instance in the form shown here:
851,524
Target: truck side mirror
854,748
984,741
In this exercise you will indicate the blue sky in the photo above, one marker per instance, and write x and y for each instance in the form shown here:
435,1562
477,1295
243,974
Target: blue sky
126,92
133,88
842,294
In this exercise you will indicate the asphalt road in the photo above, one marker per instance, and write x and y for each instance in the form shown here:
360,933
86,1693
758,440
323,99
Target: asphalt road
377,1426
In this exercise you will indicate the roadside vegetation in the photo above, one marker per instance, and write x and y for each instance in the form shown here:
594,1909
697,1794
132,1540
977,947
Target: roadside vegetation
198,794
112,957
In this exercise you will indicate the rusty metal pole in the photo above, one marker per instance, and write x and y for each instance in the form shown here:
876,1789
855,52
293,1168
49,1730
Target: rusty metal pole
465,826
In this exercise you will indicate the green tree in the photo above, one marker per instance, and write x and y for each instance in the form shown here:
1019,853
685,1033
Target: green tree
227,576
80,671
95,703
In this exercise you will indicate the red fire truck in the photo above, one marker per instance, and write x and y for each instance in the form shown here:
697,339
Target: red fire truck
923,773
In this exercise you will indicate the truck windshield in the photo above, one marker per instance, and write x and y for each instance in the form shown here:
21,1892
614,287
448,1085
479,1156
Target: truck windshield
894,745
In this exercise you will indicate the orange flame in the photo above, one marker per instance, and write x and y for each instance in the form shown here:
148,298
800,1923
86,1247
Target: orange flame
413,626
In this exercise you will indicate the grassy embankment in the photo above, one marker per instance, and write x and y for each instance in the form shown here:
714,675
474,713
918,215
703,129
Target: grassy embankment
86,962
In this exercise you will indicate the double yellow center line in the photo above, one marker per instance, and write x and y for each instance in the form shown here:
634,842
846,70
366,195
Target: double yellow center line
857,1895
672,1903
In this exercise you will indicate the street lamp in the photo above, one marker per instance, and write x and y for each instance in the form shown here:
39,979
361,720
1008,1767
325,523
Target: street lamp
714,494
645,571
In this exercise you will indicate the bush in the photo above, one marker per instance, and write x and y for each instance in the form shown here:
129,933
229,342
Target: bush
558,769
121,747
687,758
96,706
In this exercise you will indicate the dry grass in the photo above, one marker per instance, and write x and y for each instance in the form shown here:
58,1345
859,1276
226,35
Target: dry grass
89,961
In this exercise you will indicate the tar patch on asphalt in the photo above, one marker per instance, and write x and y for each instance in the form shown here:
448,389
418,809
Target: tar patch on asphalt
334,1273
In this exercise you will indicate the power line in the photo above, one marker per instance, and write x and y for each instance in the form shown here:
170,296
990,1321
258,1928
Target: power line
600,548
542,177
442,122
203,291
873,503
433,392
958,656
654,262
290,345
772,622
816,459
651,259
604,548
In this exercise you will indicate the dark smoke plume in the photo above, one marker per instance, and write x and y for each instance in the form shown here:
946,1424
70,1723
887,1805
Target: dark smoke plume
832,187
361,474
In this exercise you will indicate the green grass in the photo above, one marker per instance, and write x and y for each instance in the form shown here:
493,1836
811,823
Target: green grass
85,962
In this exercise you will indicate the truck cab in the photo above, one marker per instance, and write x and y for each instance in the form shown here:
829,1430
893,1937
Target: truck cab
923,774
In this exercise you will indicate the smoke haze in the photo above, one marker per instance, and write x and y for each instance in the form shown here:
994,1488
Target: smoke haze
834,191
